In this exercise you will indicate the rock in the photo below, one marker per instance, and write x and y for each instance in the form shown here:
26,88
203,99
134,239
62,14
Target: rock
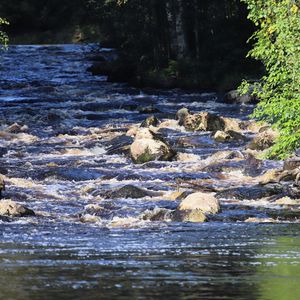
150,121
132,131
235,97
17,128
12,209
222,136
100,68
223,166
130,191
119,145
171,124
193,216
270,176
291,164
206,203
158,214
233,124
177,195
263,140
181,115
202,121
287,201
148,146
226,154
2,185
254,192
253,166
228,136
187,157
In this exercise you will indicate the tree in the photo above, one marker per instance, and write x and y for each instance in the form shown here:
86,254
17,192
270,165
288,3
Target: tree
3,35
277,45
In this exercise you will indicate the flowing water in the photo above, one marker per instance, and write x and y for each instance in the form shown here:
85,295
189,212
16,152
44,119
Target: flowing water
62,163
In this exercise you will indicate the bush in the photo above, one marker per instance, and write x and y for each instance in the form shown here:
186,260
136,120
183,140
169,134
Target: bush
3,35
277,45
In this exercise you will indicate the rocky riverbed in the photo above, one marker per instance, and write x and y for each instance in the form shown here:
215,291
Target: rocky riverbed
90,167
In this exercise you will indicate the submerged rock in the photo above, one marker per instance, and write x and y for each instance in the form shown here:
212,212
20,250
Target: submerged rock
130,191
17,128
260,220
12,209
254,192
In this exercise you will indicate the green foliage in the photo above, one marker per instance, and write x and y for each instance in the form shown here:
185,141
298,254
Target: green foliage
3,35
277,45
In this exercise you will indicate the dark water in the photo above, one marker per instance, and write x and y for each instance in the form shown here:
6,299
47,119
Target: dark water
71,117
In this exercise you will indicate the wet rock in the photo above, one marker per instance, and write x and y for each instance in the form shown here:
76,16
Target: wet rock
253,166
181,115
132,131
193,216
177,195
288,214
187,157
235,97
4,219
17,128
89,219
150,121
250,192
291,163
224,166
148,146
158,214
202,121
233,124
130,191
171,124
196,141
2,185
224,155
270,176
12,209
205,202
263,140
119,145
229,136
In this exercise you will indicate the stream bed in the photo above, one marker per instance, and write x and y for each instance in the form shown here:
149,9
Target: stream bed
63,162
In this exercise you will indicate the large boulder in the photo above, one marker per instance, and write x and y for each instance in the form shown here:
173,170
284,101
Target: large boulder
12,209
263,140
202,121
207,203
291,163
235,97
147,147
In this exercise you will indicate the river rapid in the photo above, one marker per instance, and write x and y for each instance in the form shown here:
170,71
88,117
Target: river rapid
63,164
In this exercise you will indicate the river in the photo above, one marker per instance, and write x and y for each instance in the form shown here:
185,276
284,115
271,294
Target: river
61,164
